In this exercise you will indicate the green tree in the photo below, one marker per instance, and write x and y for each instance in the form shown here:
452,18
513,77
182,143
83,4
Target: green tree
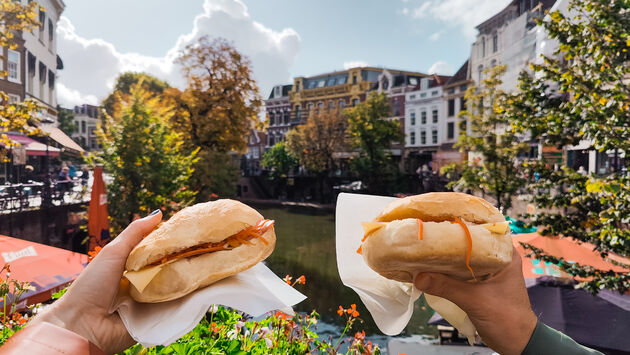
493,144
217,109
66,121
18,117
371,134
581,94
125,82
279,160
145,158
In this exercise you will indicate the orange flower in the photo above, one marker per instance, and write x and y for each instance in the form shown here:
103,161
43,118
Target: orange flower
213,195
92,254
353,310
301,280
21,321
287,279
360,335
340,311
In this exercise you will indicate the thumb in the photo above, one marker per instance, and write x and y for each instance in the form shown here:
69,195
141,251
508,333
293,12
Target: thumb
443,286
122,245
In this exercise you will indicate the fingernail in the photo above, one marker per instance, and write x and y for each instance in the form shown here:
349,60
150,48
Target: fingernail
154,212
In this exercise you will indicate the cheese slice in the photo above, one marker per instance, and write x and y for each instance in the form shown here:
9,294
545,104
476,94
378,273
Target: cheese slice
141,278
371,227
498,228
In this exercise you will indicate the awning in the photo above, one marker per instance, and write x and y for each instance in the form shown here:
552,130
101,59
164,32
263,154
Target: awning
58,136
33,147
46,268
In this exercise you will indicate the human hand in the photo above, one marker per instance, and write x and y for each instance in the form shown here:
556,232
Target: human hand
498,307
84,309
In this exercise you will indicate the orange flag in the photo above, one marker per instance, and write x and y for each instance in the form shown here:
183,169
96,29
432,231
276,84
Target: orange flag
98,223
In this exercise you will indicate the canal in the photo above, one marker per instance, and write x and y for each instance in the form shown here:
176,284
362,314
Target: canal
306,246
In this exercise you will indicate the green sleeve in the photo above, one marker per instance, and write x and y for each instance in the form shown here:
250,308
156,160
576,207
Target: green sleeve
546,340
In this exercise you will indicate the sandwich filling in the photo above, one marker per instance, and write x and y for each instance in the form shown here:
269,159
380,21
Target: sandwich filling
498,228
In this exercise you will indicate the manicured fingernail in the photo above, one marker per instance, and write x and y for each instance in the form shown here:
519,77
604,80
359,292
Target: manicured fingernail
154,212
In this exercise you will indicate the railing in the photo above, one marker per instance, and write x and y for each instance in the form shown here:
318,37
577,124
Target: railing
20,197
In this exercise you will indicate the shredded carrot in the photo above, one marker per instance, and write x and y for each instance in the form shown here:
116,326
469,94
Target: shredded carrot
360,250
364,238
469,237
419,229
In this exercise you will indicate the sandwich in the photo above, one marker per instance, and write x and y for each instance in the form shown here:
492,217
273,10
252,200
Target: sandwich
198,246
456,234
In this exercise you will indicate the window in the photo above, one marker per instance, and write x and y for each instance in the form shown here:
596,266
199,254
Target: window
413,81
355,102
331,82
412,97
493,63
424,94
450,130
423,137
483,47
83,127
354,79
286,117
423,117
480,71
321,83
272,119
342,103
92,131
13,99
51,33
434,136
434,93
413,118
463,126
13,66
331,104
42,20
297,112
451,90
463,87
495,42
435,116
451,107
412,138
341,80
276,91
310,108
462,103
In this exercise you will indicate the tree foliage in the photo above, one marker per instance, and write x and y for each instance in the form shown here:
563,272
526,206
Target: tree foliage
581,94
66,121
145,158
279,160
125,82
371,134
17,117
493,143
216,111
314,142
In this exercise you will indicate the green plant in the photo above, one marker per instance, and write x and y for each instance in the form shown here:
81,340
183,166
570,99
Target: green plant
10,292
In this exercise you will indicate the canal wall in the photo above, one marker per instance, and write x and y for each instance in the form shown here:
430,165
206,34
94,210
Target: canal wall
58,226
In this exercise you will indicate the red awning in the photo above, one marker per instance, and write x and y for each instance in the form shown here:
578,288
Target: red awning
32,146
46,268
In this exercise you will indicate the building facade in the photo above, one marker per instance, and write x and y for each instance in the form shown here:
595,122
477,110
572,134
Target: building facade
41,59
278,109
424,121
256,146
12,61
507,38
86,118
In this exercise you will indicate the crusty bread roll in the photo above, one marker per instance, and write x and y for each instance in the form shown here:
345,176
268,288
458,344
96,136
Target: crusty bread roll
210,222
395,249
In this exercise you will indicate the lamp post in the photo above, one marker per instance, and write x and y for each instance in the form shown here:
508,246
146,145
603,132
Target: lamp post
46,192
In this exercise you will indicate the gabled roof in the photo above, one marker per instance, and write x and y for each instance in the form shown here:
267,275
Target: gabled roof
460,75
285,91
438,80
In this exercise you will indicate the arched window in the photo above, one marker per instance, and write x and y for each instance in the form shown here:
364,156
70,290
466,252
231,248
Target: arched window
272,118
483,47
495,42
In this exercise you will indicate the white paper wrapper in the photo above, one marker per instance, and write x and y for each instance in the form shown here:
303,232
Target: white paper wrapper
255,291
390,302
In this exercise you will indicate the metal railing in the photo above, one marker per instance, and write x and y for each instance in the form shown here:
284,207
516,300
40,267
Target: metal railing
21,197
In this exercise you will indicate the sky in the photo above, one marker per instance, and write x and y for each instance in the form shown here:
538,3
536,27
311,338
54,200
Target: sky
99,39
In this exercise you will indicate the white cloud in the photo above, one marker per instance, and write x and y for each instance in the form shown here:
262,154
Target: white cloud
441,67
435,36
354,64
465,14
92,65
70,98
405,11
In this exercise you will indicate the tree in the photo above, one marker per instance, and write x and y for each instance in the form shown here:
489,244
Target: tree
581,94
145,158
125,82
371,134
493,144
279,160
66,121
217,109
17,117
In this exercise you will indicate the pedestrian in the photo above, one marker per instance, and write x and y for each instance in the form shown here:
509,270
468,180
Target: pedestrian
63,180
72,170
85,175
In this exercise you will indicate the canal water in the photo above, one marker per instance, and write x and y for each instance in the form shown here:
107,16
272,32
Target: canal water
306,246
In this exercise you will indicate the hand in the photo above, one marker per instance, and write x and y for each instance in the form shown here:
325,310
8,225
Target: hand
84,309
498,307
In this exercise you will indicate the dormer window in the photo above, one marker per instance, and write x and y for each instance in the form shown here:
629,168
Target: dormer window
277,91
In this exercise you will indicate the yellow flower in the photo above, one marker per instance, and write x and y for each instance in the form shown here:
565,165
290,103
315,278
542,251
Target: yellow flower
603,101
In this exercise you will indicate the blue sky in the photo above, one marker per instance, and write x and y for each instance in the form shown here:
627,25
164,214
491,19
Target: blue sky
98,39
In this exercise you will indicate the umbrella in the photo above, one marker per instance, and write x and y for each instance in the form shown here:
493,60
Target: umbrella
600,321
46,268
98,224
567,248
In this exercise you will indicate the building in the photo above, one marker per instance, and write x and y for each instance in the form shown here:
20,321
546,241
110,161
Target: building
454,92
12,61
250,164
425,114
278,109
41,59
509,38
86,118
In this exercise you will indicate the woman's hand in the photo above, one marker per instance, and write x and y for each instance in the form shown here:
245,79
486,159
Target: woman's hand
84,309
498,307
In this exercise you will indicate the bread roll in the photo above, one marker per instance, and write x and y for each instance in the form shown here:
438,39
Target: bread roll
395,249
209,222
